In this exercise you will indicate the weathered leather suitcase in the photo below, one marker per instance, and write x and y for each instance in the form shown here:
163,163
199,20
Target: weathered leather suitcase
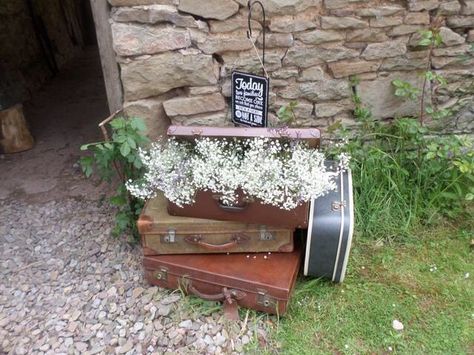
262,281
331,226
165,234
208,205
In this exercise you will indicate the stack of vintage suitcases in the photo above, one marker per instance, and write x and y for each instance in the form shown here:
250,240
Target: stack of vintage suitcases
249,254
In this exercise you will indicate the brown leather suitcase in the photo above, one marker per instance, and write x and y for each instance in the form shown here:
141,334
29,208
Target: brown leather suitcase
165,234
208,205
262,281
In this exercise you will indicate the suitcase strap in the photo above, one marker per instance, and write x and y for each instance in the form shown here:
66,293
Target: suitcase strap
236,239
227,295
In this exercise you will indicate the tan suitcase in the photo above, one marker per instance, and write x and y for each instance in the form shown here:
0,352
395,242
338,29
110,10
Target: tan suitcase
162,233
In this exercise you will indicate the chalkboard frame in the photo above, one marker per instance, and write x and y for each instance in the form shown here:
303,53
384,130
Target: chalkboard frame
265,105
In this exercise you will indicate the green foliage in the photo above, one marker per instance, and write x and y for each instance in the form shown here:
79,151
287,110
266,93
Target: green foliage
404,176
286,113
386,282
119,157
405,89
430,37
434,77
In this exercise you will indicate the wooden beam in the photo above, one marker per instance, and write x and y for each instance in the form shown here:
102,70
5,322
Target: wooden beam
110,69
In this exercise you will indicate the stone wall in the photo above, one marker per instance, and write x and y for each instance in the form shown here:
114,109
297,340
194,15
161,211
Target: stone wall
176,56
23,67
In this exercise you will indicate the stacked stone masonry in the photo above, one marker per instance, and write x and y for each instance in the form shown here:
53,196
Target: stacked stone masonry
177,57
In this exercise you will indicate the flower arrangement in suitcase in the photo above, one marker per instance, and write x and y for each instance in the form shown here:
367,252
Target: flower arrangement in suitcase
255,175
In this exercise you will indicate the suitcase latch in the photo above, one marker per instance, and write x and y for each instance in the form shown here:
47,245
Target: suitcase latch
264,234
337,205
170,237
265,300
162,274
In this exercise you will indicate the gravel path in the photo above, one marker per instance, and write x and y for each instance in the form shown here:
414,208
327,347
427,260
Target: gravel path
68,287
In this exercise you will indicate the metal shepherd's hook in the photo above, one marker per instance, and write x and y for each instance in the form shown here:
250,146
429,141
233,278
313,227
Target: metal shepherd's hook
249,32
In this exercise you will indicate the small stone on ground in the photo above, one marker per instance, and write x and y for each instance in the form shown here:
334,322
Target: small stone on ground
68,286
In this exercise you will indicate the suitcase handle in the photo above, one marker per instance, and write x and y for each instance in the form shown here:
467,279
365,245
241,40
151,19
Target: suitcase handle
225,295
235,208
234,241
232,208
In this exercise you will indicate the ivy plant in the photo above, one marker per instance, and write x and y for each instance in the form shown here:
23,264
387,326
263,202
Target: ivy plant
118,158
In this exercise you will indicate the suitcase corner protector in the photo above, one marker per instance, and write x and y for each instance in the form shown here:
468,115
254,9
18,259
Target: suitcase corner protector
144,224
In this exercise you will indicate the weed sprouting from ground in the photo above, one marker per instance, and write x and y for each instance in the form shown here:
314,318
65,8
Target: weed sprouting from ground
118,157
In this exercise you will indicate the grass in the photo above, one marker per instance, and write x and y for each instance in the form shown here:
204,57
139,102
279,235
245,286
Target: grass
421,282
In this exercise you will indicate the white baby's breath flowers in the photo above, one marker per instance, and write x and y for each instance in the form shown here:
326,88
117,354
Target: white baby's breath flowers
168,170
344,161
215,166
283,174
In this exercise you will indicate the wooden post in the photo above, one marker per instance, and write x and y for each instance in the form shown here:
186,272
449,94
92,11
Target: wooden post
14,134
110,69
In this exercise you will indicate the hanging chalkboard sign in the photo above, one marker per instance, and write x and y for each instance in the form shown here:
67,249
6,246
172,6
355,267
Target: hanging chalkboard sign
249,99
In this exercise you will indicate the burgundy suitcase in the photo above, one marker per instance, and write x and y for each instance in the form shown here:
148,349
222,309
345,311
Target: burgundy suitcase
165,234
208,205
262,281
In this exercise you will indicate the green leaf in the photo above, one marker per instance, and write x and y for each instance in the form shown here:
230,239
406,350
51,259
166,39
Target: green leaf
118,200
398,83
425,42
426,33
131,142
400,92
118,123
85,146
86,165
125,149
429,75
138,164
120,138
138,124
281,110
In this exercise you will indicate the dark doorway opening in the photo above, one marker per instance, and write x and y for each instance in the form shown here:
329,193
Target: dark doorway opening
59,82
